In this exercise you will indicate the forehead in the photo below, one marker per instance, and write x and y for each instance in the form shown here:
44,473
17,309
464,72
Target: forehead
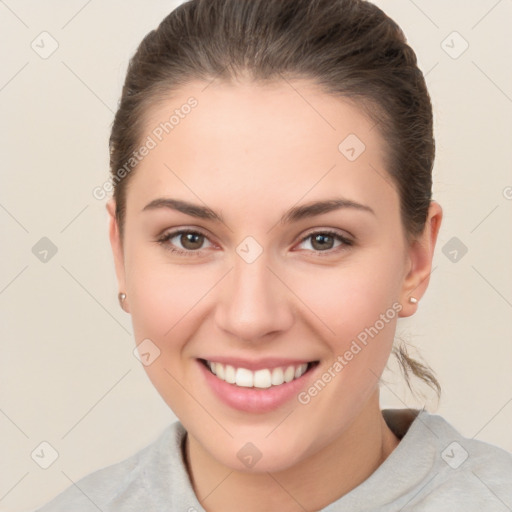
280,140
305,117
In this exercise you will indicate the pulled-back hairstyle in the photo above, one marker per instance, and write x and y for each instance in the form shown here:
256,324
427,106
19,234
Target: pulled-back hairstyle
349,48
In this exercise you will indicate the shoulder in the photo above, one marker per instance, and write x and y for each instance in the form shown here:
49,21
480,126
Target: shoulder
466,472
123,483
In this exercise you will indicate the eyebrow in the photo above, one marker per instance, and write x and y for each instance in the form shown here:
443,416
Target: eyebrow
292,215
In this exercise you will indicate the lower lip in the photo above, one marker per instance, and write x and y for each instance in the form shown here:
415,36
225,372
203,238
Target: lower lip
254,400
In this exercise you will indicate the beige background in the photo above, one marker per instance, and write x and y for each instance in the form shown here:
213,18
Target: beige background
68,374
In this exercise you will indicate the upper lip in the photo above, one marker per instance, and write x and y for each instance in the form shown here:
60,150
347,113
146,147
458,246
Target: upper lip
258,364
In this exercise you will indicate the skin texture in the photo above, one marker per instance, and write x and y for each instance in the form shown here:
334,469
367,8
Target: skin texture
250,152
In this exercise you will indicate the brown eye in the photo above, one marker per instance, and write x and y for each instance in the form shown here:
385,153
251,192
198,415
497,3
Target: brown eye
186,242
191,241
321,242
325,242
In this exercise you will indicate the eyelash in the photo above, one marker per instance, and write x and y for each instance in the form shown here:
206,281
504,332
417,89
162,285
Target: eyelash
164,241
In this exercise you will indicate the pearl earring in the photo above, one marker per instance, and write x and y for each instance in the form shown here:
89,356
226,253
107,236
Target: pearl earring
121,297
413,300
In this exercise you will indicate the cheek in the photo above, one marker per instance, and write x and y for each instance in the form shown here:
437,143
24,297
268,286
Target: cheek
356,309
165,301
163,294
352,297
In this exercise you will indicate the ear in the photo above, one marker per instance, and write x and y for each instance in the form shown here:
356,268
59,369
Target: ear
117,249
420,254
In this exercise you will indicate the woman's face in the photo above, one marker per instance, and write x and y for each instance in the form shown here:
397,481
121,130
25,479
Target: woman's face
293,254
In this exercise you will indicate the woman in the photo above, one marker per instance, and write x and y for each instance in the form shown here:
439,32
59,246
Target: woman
272,219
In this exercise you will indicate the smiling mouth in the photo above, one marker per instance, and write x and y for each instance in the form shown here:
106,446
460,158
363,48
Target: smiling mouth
262,379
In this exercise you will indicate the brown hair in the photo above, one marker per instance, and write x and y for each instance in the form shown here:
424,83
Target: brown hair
350,48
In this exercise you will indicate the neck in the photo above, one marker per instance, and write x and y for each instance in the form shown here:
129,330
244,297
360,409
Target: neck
311,484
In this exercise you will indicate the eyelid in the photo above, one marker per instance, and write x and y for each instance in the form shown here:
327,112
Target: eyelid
166,235
345,242
182,229
345,235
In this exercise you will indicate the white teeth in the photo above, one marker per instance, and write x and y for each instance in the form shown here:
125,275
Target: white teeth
262,379
230,374
220,371
289,374
298,372
277,376
244,378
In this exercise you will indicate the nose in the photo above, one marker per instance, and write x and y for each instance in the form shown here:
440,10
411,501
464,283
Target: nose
254,302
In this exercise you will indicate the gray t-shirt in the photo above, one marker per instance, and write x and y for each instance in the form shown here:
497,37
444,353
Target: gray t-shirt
433,468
